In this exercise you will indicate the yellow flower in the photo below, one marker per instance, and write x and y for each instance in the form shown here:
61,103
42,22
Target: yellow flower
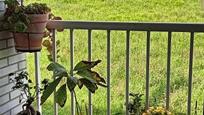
157,110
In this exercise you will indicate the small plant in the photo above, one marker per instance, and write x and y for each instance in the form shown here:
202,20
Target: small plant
28,93
135,105
83,75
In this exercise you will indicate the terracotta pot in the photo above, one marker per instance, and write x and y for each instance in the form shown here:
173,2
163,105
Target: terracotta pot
37,23
30,41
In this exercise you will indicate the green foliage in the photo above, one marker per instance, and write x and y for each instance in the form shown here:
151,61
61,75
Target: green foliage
16,18
84,65
50,89
72,82
89,84
58,70
23,83
11,3
135,106
61,95
83,75
37,8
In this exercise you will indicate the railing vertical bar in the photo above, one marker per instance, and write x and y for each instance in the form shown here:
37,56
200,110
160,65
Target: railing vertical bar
190,74
168,70
89,58
147,70
54,56
71,68
37,80
108,73
127,70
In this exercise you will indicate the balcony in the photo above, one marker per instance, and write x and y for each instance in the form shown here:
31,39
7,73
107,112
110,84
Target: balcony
165,52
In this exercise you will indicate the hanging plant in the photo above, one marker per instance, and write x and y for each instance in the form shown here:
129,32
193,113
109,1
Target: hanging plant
28,24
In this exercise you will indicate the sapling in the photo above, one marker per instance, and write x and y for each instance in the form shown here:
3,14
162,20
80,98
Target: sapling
81,75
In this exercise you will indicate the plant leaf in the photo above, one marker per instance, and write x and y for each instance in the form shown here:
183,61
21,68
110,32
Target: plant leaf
80,84
91,76
58,70
47,43
87,74
102,85
83,65
20,27
61,95
71,83
91,86
97,77
49,89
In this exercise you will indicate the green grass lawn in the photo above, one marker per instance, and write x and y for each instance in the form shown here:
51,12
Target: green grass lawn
132,10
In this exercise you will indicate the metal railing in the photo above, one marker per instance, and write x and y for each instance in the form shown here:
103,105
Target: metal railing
128,27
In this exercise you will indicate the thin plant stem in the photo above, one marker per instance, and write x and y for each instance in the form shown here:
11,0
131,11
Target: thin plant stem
79,112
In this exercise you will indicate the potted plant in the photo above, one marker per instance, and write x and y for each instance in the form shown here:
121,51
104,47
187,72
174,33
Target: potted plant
28,24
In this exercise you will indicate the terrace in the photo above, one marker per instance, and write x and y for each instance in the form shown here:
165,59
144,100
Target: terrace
127,32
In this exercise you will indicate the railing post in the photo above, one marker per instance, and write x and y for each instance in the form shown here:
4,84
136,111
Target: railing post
89,59
108,73
168,70
127,70
71,68
37,80
54,56
190,74
147,70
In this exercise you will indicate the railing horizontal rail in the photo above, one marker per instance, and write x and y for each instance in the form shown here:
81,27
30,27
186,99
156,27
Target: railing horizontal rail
138,26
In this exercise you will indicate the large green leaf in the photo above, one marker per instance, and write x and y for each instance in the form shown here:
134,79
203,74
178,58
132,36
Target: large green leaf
71,83
49,89
87,74
91,76
61,95
91,86
83,65
58,70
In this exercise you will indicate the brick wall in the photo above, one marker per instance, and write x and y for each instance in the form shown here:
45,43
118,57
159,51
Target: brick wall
10,61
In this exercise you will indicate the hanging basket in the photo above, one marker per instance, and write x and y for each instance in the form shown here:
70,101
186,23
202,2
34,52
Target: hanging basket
30,41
